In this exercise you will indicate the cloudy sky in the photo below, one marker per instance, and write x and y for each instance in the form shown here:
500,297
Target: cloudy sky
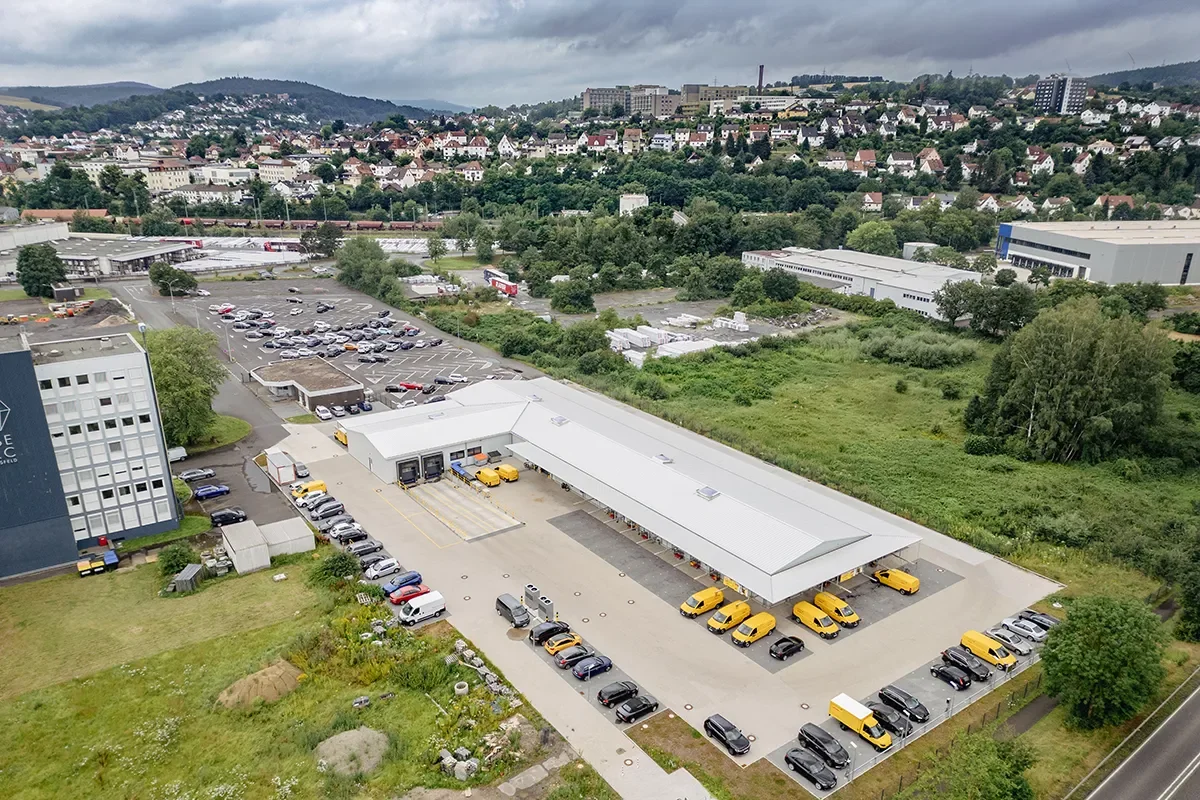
512,51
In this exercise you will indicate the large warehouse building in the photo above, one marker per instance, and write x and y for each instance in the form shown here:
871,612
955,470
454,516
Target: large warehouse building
909,284
773,533
1156,251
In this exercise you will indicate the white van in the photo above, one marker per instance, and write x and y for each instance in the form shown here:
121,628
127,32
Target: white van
176,454
422,608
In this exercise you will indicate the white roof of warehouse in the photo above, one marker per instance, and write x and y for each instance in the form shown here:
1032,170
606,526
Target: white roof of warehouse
1123,232
916,275
774,532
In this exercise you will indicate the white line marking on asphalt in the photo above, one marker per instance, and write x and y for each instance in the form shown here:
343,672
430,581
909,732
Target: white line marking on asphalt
1181,779
1096,791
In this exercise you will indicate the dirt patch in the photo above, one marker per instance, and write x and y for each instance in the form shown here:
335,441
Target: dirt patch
268,685
353,752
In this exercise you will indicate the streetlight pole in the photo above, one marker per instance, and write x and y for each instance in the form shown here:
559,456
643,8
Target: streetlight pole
853,758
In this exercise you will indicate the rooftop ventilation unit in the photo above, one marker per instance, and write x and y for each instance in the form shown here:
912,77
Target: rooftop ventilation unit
708,493
437,414
664,459
559,421
537,398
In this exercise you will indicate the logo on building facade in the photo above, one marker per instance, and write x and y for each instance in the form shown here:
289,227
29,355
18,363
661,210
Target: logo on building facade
8,448
4,410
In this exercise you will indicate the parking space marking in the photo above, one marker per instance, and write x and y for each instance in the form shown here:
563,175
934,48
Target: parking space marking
418,527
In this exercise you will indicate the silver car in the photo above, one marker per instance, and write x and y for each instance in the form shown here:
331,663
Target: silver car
1011,640
1024,628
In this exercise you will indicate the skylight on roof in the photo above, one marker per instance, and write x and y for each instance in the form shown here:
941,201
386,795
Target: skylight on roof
664,459
559,421
708,493
437,414
537,398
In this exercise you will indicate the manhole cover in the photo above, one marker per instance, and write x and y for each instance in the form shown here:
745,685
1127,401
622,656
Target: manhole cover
585,619
629,601
804,706
466,597
603,614
687,706
629,762
505,575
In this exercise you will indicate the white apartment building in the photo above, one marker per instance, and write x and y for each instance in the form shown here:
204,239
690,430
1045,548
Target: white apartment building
98,398
226,174
167,174
274,170
632,202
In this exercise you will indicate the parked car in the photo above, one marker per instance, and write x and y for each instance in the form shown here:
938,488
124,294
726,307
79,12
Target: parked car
905,703
388,566
293,290
561,641
897,579
962,658
400,581
406,593
540,633
360,549
1025,628
338,411
891,719
365,405
637,707
429,388
327,510
458,377
785,647
312,498
810,765
327,525
616,693
408,404
573,655
1043,621
437,399
353,536
727,734
593,665
1010,640
366,562
395,388
209,491
227,516
951,675
442,380
353,409
416,387
342,528
823,743
190,475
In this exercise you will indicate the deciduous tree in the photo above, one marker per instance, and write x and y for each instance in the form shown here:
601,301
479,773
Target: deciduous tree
38,268
186,378
874,237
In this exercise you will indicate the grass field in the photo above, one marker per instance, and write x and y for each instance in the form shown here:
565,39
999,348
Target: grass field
303,419
70,627
191,525
225,430
89,293
13,294
462,262
25,103
142,721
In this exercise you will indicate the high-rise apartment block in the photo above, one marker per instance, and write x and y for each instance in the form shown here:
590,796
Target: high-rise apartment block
1060,94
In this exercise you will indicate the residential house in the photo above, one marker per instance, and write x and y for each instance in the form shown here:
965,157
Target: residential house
785,131
471,172
970,171
166,174
977,112
1020,178
887,130
904,164
661,140
478,147
759,131
1171,143
971,147
1044,164
1136,144
987,202
1092,117
1112,201
505,147
811,135
731,129
1081,163
932,166
1102,146
1053,205
872,202
1022,205
866,157
274,170
631,141
833,160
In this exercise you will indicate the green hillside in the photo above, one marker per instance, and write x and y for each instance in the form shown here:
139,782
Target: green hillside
88,95
1167,75
319,103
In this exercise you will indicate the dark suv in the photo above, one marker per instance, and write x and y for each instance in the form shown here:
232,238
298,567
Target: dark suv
960,657
905,703
540,633
227,516
890,718
821,742
727,734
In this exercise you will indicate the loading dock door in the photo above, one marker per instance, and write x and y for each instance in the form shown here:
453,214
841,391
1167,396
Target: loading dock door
408,471
433,465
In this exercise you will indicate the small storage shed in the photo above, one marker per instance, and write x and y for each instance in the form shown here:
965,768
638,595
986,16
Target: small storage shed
280,467
188,579
289,536
246,546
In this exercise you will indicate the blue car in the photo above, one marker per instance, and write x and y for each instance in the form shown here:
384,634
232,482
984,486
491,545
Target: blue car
365,405
592,665
209,491
402,580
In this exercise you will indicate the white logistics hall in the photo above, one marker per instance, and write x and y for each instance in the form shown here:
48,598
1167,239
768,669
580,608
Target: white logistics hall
773,533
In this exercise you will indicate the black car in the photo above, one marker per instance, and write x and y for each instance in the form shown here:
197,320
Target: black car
727,734
375,558
951,675
821,742
785,647
353,536
635,708
429,388
437,399
406,345
961,657
616,693
810,766
1043,621
434,342
890,718
904,702
573,655
540,633
379,359
227,516
392,387
443,381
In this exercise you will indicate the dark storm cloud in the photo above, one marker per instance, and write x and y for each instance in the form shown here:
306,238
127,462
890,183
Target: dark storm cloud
479,51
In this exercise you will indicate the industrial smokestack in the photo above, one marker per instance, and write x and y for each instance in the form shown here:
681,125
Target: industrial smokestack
760,78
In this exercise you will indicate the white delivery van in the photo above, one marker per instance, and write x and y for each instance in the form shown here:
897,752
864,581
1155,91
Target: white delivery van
176,454
422,608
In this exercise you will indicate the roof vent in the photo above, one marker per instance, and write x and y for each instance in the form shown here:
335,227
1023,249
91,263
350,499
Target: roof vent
437,414
559,421
537,398
708,493
664,459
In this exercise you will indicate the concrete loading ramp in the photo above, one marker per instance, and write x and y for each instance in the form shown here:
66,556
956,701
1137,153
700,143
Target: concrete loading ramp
463,509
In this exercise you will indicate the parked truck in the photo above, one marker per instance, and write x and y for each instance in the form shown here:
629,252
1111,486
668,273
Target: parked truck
854,716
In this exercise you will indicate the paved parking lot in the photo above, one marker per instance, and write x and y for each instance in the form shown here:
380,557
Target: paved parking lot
250,489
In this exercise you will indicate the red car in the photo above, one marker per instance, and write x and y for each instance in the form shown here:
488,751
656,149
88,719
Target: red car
413,386
406,593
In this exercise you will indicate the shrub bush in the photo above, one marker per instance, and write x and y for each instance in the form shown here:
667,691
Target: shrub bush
982,446
174,557
925,349
333,569
951,390
901,386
